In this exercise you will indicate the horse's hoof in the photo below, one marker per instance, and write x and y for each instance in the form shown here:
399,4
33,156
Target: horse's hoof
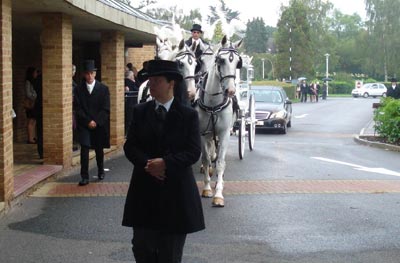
218,202
207,193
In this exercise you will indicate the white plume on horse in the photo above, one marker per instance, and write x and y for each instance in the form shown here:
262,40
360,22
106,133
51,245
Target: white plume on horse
235,26
173,33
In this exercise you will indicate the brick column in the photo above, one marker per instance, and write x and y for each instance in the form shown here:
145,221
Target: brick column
56,40
6,125
112,75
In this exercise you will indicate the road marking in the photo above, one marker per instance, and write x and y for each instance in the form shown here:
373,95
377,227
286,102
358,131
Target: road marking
301,116
359,167
262,187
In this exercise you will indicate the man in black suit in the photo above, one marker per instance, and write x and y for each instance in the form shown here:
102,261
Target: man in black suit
163,202
196,38
394,90
92,113
304,91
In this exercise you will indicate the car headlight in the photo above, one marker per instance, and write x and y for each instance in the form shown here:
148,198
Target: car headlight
278,115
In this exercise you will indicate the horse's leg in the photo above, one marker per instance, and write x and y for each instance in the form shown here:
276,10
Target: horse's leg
206,163
218,200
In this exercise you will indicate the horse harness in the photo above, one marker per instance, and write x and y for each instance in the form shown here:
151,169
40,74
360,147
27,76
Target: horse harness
191,59
226,100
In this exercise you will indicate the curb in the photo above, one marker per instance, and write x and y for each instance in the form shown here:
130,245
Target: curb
363,139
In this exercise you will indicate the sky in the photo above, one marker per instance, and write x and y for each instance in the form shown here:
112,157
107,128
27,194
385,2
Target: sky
268,10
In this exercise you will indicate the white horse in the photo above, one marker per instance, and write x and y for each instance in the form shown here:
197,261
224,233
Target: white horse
206,59
186,60
216,114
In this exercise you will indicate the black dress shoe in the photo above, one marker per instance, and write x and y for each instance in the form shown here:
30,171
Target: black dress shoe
83,182
101,176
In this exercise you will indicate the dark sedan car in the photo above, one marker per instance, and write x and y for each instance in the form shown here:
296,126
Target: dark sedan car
273,108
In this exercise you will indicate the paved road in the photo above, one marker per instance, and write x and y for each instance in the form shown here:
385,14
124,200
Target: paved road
312,195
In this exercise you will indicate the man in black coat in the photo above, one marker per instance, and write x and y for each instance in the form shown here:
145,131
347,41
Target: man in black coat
304,89
394,90
196,37
92,113
163,202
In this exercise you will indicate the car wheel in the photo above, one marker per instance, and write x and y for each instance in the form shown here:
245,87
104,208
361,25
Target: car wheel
366,95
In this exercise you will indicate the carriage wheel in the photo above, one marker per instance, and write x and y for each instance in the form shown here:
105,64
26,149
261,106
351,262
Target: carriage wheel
242,135
252,122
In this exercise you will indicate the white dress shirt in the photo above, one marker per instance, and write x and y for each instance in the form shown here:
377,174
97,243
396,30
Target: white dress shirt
90,86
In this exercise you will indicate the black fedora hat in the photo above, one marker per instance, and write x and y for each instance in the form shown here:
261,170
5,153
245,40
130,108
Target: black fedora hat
196,27
163,68
393,80
88,65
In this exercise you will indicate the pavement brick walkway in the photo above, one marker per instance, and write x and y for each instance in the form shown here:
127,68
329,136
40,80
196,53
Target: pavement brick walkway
104,189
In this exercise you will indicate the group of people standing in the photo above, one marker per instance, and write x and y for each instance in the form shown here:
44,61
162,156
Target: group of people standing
303,90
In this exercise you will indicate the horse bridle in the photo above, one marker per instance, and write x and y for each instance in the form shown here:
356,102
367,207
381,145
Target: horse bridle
232,51
191,60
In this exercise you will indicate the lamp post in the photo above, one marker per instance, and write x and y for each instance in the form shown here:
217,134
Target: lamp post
327,73
262,67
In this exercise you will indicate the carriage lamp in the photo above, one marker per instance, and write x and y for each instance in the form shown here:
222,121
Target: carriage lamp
250,72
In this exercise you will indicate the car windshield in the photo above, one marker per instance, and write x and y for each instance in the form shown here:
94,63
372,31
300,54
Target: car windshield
267,96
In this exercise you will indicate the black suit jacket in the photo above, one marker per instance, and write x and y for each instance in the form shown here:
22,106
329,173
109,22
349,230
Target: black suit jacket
198,52
174,205
94,106
394,93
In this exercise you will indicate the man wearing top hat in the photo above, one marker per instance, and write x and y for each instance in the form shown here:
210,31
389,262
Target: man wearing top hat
163,202
394,90
92,113
196,38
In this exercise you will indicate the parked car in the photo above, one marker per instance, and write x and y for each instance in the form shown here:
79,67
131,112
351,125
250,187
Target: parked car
273,108
370,89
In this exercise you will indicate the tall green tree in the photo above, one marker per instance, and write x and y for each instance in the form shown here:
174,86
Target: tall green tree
256,36
384,29
347,45
294,42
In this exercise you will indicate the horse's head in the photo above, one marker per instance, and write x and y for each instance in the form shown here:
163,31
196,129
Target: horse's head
164,48
227,60
186,60
206,58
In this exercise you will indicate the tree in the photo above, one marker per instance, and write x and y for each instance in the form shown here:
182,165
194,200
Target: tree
384,29
256,36
294,43
347,45
227,13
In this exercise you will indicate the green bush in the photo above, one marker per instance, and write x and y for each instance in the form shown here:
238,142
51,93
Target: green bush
340,87
387,119
289,88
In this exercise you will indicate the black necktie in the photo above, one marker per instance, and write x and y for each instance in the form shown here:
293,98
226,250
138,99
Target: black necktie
161,112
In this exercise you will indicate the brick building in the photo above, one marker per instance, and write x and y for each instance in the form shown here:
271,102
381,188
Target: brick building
51,35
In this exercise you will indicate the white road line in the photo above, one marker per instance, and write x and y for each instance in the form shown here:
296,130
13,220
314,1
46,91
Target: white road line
301,116
359,167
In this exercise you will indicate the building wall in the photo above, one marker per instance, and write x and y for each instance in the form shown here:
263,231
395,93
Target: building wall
6,134
137,56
